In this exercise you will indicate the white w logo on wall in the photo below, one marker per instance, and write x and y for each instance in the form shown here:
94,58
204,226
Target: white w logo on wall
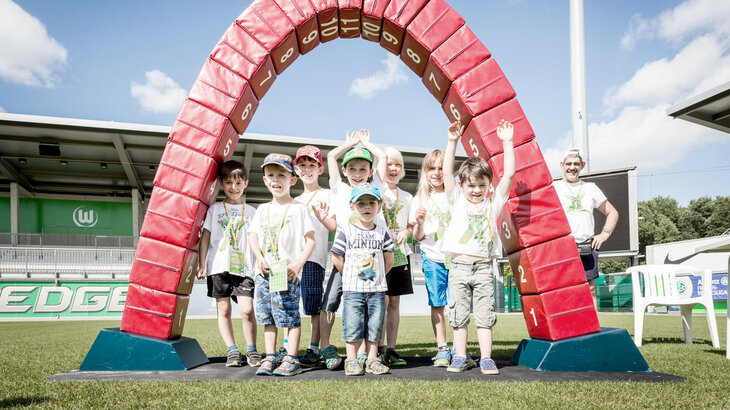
85,218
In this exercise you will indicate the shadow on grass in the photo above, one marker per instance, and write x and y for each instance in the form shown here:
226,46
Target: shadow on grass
22,401
674,340
502,349
720,351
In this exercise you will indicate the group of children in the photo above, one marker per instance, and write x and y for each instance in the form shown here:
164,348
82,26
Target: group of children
269,258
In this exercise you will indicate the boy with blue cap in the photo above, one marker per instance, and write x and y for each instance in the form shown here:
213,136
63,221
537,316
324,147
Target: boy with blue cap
363,253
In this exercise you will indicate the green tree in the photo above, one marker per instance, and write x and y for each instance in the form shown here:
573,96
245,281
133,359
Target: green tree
719,221
699,210
654,224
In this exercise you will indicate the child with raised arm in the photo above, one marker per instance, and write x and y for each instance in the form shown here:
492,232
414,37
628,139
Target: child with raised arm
470,241
363,252
357,165
431,212
227,264
282,239
396,208
308,165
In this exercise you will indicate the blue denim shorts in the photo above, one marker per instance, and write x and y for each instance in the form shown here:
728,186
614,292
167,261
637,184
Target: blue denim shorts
437,281
277,308
362,316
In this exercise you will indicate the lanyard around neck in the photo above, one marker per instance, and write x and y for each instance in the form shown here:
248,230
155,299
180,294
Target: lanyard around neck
275,238
234,231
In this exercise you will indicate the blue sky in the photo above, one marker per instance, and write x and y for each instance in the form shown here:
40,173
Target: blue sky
134,61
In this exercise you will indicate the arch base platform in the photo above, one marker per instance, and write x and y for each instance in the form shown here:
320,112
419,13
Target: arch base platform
610,350
114,350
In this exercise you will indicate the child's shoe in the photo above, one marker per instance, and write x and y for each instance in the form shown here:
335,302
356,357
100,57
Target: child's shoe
280,356
288,367
374,366
442,358
470,363
458,364
392,358
253,358
488,366
330,357
310,359
234,359
267,366
361,359
353,368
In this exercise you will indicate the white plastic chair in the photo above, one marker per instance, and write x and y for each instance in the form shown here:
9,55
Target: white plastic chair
660,288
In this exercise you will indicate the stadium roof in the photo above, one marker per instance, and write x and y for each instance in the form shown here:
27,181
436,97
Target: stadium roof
51,155
711,109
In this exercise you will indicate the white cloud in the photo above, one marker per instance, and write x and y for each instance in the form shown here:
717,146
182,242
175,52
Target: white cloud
366,87
159,94
28,55
701,63
2,109
683,21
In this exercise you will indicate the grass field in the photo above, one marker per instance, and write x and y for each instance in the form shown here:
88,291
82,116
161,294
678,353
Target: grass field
31,351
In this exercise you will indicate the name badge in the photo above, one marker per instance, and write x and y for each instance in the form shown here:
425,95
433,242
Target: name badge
237,262
277,276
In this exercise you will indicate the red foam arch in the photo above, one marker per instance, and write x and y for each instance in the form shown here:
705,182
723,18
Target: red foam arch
434,41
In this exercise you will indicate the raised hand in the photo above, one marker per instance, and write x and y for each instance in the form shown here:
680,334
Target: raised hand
455,131
352,138
364,136
321,211
505,130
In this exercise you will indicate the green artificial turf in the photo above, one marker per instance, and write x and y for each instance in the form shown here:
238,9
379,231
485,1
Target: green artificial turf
33,350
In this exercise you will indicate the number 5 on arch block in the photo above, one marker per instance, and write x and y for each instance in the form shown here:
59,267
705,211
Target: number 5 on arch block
561,313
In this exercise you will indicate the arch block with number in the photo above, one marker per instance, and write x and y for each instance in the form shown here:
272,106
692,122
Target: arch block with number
241,53
561,313
304,18
483,127
531,171
154,313
173,218
458,54
547,266
372,19
205,131
188,172
226,92
482,88
328,21
350,17
270,26
532,218
163,266
396,18
436,22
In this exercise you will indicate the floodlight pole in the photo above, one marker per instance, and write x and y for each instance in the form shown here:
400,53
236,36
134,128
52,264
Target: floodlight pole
578,80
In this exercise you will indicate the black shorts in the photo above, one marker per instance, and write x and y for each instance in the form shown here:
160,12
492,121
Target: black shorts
399,280
590,265
223,285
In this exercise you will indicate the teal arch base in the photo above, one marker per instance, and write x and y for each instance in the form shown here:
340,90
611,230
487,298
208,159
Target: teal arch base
116,350
610,350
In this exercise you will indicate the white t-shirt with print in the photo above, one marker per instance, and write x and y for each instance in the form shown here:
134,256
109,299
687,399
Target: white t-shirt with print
364,266
321,234
389,197
289,235
578,200
473,228
221,225
438,216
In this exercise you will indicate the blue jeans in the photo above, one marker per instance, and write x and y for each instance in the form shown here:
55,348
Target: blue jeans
363,315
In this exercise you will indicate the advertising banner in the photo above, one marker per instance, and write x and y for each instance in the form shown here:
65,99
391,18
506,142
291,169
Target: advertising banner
35,299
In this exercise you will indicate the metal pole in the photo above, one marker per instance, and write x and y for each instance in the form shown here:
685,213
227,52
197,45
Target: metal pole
578,80
14,225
